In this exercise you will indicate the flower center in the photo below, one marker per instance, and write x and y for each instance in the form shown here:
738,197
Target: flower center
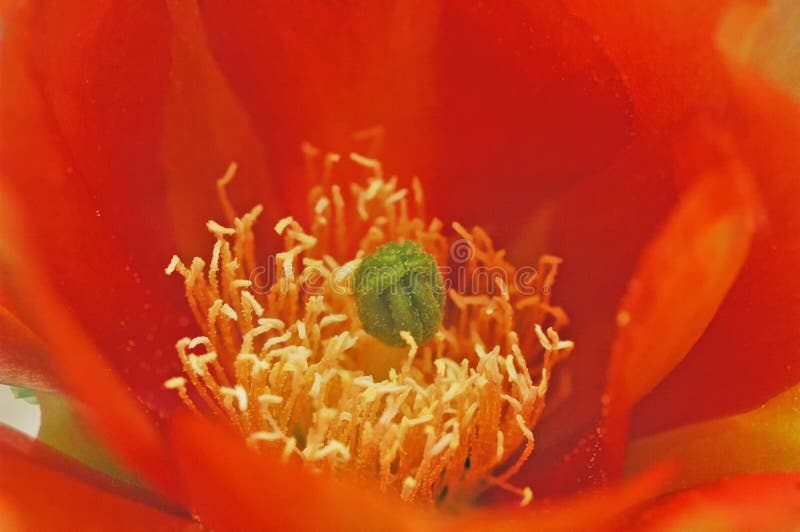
285,358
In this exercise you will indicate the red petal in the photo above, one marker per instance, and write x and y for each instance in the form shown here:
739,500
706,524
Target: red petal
599,228
754,502
761,440
752,344
98,391
666,53
69,247
702,244
478,100
529,104
680,281
205,129
43,490
100,394
83,169
232,488
84,173
322,72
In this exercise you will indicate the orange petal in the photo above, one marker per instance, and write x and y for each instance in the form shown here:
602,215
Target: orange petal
593,510
232,488
763,36
23,354
768,501
758,441
23,358
42,490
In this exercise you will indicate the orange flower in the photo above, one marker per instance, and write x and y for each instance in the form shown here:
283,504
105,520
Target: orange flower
625,139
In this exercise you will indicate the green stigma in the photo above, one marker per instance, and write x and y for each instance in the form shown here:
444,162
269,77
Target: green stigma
399,288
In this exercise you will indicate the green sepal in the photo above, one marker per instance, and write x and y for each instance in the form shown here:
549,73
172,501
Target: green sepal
26,394
63,428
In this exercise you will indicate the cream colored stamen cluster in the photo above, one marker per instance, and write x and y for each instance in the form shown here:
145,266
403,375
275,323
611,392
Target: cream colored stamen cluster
292,368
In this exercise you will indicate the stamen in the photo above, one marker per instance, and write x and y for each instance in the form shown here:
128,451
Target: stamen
281,226
219,230
222,192
292,368
179,383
